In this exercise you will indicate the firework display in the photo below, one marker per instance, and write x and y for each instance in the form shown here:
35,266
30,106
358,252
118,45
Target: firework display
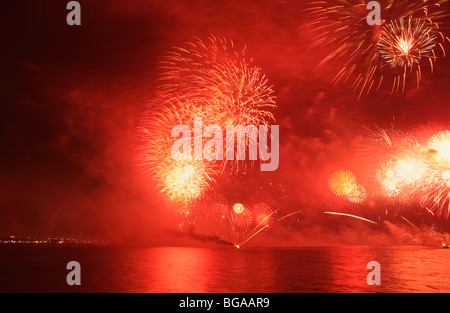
210,81
213,81
439,146
405,44
343,182
222,86
237,147
416,173
408,37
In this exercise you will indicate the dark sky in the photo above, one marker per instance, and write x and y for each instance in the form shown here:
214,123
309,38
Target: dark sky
72,97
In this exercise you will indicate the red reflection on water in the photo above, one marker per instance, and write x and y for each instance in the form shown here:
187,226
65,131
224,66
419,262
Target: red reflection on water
180,269
402,269
315,269
175,269
348,269
419,270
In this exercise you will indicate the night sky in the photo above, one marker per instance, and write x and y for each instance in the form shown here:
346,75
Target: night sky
72,98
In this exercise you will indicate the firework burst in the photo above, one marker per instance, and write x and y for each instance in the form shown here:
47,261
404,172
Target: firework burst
242,217
435,193
358,194
383,145
342,182
208,80
366,49
390,184
405,45
181,178
213,80
184,181
238,208
408,170
262,213
217,75
439,146
216,204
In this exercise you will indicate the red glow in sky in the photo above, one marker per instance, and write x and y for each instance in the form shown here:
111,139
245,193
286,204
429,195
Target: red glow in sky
74,96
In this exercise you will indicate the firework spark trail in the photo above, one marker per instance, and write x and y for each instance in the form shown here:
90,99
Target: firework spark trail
255,230
411,224
428,210
266,218
290,214
253,235
352,216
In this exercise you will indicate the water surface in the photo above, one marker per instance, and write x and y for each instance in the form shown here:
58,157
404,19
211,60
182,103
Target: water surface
188,269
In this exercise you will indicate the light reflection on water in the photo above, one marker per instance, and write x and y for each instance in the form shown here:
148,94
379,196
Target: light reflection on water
184,269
